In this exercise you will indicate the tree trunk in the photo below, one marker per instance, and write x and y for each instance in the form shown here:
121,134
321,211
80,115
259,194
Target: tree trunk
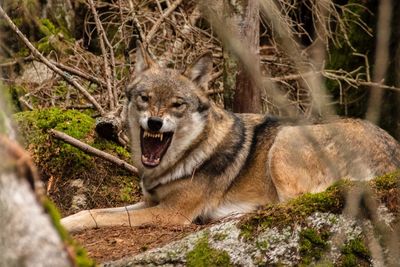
27,235
243,16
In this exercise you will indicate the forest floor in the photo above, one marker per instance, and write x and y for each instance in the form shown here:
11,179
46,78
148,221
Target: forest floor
113,243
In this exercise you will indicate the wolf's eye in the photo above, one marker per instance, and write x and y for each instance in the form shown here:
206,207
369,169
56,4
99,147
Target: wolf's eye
144,98
177,104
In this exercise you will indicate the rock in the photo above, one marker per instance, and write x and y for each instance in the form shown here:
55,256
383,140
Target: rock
312,241
310,230
35,73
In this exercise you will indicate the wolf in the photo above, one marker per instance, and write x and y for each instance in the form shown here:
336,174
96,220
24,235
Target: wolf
199,162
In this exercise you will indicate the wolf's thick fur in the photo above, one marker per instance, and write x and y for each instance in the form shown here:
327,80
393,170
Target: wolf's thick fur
218,163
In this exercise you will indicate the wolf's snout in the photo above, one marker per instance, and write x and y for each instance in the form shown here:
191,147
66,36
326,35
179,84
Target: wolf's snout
154,124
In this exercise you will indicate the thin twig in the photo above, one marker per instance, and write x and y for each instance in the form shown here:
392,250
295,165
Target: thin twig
109,73
67,77
93,151
136,21
123,34
80,73
157,24
326,73
23,101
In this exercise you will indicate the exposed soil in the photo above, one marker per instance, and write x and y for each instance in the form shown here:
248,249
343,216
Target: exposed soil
113,243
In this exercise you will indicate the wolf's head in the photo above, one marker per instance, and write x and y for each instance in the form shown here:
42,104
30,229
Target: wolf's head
167,111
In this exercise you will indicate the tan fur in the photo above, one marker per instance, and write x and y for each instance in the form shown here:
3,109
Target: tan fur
221,164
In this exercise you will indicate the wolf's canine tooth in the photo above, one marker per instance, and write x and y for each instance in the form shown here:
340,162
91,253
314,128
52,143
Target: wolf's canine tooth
153,135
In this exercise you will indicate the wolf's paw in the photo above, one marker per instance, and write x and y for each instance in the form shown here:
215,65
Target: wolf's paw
79,221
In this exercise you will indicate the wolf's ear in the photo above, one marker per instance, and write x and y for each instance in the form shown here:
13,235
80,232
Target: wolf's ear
143,59
200,70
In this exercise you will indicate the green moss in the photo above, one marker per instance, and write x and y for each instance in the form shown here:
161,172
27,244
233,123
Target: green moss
46,27
220,236
81,258
61,89
54,155
283,214
54,38
312,245
262,245
127,192
204,255
332,200
387,181
355,253
55,216
108,146
12,93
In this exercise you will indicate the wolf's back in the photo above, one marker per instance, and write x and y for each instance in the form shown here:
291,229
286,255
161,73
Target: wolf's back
309,158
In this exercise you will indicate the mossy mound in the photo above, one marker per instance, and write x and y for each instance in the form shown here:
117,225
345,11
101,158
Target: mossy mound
313,244
203,255
311,230
103,183
54,156
333,200
355,253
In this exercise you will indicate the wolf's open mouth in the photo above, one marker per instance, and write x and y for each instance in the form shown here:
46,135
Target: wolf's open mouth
154,145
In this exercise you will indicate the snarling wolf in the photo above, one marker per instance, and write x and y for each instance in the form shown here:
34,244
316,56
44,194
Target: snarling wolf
198,161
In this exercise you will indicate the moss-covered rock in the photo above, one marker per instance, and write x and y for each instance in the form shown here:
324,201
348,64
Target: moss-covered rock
355,253
202,255
64,167
309,230
312,245
54,156
278,215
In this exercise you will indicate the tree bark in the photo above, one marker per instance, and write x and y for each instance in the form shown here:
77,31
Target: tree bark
27,235
244,17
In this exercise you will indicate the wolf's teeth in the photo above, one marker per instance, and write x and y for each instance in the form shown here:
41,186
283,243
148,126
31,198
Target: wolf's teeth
153,135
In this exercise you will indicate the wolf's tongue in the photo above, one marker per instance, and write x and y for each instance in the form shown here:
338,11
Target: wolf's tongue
154,146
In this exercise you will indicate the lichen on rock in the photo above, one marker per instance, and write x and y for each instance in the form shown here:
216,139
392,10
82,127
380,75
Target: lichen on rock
310,230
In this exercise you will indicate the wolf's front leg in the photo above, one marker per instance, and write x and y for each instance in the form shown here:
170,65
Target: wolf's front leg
124,216
86,219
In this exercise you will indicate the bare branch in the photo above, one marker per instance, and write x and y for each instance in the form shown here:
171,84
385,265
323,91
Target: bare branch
157,24
109,68
50,65
93,151
80,73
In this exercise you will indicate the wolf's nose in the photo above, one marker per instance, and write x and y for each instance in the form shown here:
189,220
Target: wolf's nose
154,123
